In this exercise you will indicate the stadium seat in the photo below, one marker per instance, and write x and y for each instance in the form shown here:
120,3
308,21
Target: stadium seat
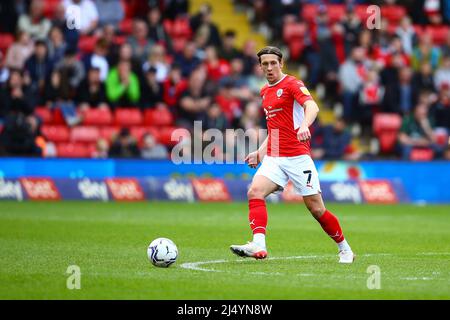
336,12
361,12
6,40
108,133
181,28
73,150
393,13
165,135
386,127
97,117
438,33
293,31
126,26
56,133
45,114
50,7
85,134
309,12
421,154
139,131
128,117
87,43
159,117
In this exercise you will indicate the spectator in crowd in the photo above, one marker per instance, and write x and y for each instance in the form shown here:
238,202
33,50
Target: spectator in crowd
175,8
56,45
370,98
229,50
110,12
157,60
124,145
125,53
38,68
34,23
215,119
174,86
442,74
101,149
202,22
139,40
229,103
88,14
351,76
18,137
98,59
425,51
156,30
108,35
123,86
423,79
249,57
19,51
335,139
152,91
8,16
256,80
417,132
441,109
351,26
15,96
188,61
71,34
151,149
217,68
194,101
445,48
92,92
400,95
4,71
251,117
407,35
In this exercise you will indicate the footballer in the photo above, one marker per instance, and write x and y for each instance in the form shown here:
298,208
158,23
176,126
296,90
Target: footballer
286,155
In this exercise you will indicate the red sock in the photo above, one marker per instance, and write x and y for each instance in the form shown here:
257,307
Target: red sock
257,215
330,224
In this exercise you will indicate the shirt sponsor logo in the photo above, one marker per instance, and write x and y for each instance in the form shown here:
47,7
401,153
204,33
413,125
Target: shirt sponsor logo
378,191
305,91
10,190
211,190
346,192
179,191
93,190
40,188
125,189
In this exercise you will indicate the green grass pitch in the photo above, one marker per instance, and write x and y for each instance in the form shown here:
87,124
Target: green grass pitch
108,241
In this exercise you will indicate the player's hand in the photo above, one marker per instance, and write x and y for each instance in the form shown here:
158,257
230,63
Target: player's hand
303,133
252,159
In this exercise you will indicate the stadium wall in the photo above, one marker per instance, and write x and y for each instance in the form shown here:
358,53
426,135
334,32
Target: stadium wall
137,180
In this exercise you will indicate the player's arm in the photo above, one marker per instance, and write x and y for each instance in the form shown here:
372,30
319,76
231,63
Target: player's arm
311,111
255,157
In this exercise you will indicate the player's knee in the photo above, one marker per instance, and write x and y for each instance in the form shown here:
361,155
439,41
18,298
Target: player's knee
317,211
255,192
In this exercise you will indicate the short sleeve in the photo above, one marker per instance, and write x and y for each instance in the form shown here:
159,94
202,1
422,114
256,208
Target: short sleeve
299,91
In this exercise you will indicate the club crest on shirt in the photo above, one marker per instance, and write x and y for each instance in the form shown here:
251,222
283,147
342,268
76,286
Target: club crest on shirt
279,92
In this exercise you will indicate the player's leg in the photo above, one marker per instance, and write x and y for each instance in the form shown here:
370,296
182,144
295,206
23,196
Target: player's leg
303,174
268,179
330,224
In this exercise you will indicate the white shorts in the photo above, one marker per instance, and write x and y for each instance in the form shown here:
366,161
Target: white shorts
300,170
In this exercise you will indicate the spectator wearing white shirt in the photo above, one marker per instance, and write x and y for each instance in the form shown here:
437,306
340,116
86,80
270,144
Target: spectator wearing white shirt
98,59
34,23
88,16
442,75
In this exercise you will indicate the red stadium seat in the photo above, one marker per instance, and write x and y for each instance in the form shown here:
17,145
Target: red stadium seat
386,127
393,13
126,26
139,132
108,133
56,133
165,135
336,12
159,117
97,117
422,154
73,150
361,12
181,28
50,7
309,12
438,33
45,114
128,117
85,134
6,40
87,43
293,31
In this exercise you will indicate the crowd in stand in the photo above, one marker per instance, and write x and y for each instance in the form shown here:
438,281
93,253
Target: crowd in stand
152,55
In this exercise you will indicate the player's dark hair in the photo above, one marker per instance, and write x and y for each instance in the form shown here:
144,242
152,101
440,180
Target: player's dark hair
270,50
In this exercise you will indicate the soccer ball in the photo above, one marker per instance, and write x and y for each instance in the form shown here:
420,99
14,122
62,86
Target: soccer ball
162,252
